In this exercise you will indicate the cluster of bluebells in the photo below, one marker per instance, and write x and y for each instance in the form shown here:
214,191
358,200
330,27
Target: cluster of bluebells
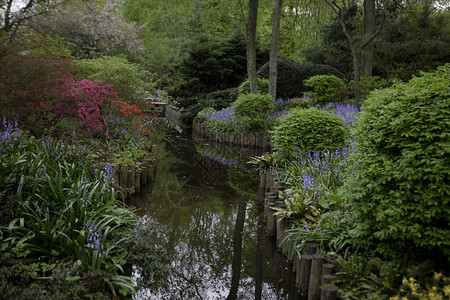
10,135
327,168
109,173
221,160
223,120
94,239
278,114
348,112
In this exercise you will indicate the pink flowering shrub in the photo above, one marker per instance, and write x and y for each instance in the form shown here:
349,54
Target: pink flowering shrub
89,98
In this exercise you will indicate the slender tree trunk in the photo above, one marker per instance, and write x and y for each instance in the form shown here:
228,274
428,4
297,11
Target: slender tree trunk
369,29
273,72
7,25
251,45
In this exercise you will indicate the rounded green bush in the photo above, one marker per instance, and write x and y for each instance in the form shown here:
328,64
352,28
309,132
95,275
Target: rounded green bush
326,88
400,191
308,129
292,74
263,86
253,110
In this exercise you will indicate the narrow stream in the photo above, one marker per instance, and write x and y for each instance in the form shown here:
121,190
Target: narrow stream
206,225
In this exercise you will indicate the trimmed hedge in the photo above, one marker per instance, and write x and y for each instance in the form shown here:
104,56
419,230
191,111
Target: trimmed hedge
307,129
253,110
291,76
400,190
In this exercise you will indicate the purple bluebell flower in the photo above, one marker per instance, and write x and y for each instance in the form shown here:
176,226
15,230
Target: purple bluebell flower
95,237
109,173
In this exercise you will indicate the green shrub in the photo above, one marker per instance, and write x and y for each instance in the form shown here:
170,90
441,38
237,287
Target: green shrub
253,110
129,79
326,88
263,87
400,188
368,84
307,129
222,99
292,74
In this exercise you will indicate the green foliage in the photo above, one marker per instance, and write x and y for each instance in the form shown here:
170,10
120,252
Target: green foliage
205,65
326,88
129,79
414,39
361,277
253,110
400,191
291,76
221,99
308,129
263,86
62,279
368,84
57,208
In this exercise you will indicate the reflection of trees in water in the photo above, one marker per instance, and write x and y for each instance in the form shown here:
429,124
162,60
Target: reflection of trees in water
199,254
202,213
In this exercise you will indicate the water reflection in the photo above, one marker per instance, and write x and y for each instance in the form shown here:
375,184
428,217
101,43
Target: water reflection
205,225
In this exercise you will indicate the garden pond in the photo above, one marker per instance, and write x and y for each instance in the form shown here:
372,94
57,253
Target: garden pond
204,223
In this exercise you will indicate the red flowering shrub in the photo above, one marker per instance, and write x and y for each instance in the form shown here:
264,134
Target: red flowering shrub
29,72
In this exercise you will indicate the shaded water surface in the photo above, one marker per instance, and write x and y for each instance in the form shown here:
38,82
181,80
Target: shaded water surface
205,226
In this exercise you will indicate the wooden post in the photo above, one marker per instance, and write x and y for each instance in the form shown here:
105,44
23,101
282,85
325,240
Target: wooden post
137,180
303,273
314,279
289,245
131,176
329,292
144,173
327,278
271,222
327,269
296,262
123,175
281,226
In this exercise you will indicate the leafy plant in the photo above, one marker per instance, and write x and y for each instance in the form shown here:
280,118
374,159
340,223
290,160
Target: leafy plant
326,88
129,80
57,207
399,190
291,76
253,110
307,129
362,277
263,86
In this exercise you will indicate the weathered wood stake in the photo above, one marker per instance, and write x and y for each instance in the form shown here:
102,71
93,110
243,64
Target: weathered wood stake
329,292
314,280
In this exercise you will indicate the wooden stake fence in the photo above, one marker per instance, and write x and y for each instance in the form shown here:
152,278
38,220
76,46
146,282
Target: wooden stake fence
312,272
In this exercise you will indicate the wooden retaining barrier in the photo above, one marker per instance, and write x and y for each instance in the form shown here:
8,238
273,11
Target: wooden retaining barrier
255,140
312,273
132,176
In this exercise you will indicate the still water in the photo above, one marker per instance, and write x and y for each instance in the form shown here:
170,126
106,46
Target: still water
205,225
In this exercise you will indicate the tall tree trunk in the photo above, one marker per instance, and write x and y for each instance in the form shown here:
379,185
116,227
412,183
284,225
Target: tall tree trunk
251,45
7,25
369,30
273,72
